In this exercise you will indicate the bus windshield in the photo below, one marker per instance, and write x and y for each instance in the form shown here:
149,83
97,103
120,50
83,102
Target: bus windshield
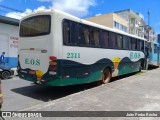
35,26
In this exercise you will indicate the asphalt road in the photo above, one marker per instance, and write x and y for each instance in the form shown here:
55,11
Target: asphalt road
137,92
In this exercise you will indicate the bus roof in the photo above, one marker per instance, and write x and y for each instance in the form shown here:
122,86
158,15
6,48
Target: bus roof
76,19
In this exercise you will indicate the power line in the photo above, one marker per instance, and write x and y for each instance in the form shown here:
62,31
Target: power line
3,11
9,8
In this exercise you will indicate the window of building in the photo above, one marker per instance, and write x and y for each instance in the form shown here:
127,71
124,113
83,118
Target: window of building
116,25
124,29
121,27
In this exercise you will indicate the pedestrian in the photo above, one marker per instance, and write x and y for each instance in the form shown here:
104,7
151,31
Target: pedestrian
2,60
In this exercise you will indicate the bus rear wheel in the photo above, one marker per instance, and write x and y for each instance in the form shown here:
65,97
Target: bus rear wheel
106,76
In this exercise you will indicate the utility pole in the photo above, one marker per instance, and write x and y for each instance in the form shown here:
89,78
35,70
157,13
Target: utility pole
148,22
148,45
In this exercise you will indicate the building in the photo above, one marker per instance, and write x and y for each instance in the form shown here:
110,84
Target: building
111,20
125,20
152,36
9,28
136,22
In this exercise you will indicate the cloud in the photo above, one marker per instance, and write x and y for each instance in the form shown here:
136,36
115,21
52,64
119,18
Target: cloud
18,15
78,8
98,14
75,7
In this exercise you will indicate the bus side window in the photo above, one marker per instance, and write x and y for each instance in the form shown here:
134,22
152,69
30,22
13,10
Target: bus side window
142,45
138,44
112,40
133,44
94,37
66,33
104,39
73,35
81,40
119,42
129,43
86,35
125,43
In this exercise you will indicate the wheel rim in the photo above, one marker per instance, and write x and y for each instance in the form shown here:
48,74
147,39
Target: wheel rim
106,76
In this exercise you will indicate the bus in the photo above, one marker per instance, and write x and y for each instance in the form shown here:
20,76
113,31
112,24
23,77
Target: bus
58,49
154,59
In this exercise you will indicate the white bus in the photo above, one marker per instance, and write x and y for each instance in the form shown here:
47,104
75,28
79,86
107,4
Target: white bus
59,49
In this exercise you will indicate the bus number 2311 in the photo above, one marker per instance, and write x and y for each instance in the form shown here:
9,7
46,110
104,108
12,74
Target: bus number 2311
73,55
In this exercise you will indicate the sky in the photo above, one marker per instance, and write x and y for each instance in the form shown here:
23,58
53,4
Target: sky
84,8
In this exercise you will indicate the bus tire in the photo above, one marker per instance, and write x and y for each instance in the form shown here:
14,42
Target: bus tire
5,75
106,77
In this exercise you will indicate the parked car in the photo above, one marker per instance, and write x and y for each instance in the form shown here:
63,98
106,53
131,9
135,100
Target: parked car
6,72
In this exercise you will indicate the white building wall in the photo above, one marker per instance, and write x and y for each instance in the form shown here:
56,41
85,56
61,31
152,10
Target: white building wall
9,43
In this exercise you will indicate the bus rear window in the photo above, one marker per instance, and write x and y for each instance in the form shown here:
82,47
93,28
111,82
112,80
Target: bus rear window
35,26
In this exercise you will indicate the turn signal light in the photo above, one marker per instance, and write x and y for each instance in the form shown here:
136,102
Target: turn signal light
52,63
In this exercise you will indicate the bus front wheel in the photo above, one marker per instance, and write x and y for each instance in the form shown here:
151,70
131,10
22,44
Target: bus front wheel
106,77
